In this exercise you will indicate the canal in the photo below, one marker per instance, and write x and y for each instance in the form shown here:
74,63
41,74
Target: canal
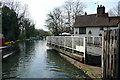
35,60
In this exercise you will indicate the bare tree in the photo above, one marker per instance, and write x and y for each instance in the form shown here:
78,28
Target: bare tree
73,8
119,8
21,10
115,11
62,19
55,21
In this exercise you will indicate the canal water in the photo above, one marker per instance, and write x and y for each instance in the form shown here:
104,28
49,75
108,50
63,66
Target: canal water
35,60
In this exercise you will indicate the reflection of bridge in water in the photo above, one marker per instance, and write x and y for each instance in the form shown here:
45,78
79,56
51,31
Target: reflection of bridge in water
38,38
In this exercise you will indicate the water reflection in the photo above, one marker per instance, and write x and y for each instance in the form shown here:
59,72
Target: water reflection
36,60
62,67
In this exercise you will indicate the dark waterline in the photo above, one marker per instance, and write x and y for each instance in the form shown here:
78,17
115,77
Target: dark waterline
36,60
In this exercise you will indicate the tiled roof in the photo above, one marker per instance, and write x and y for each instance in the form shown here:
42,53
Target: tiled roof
95,20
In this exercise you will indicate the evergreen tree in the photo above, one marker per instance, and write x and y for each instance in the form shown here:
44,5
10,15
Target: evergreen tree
10,26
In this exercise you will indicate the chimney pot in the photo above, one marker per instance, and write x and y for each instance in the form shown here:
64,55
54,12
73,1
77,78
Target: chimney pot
85,13
98,6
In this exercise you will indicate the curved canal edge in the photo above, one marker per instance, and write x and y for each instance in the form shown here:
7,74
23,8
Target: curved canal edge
89,70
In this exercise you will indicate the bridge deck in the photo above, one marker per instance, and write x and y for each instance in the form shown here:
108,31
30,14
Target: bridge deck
93,50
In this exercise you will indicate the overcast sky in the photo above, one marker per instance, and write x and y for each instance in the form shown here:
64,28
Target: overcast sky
38,9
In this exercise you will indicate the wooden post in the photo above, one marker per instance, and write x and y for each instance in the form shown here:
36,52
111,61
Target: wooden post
111,54
102,53
118,53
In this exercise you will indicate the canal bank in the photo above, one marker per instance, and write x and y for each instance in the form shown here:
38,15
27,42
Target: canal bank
91,71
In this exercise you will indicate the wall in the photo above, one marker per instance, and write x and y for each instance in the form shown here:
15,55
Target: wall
76,30
95,31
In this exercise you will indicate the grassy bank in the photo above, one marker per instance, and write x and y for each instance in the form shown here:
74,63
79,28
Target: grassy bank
9,43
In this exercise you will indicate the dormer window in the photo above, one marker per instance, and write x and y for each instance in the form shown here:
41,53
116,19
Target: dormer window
101,28
76,32
100,34
89,32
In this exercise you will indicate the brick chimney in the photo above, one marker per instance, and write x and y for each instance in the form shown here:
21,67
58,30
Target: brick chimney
100,10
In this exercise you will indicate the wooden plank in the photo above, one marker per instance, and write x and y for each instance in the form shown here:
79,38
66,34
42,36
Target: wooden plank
104,53
118,53
111,54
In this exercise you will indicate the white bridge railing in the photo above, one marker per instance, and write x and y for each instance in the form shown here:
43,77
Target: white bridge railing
77,43
94,40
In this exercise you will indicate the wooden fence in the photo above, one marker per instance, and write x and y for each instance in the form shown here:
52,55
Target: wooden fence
111,53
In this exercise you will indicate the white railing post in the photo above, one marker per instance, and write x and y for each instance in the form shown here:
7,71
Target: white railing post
64,42
85,48
84,44
93,39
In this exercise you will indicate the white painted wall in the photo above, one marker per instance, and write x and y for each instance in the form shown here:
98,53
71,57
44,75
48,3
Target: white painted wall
76,30
95,31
